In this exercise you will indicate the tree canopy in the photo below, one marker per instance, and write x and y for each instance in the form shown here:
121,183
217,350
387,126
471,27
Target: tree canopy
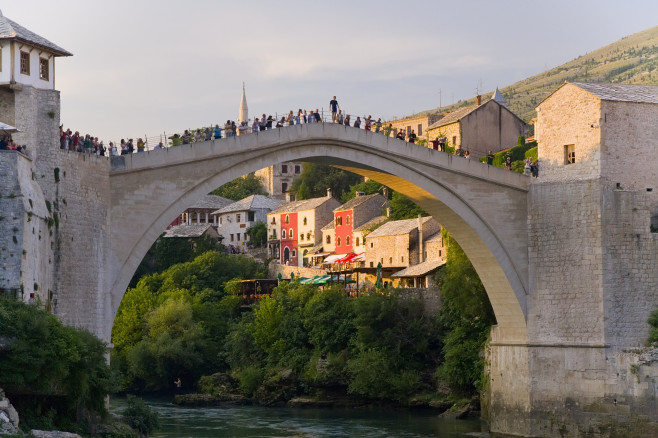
315,179
241,187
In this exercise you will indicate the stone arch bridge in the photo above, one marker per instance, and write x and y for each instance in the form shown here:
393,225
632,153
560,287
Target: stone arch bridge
562,353
484,207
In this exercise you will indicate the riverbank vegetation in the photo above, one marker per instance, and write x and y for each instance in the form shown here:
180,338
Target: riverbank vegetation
185,323
54,375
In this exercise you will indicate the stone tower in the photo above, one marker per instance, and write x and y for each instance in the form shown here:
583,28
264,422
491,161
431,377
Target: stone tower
593,257
55,223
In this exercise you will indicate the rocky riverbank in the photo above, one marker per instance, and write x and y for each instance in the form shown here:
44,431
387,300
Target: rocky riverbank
221,389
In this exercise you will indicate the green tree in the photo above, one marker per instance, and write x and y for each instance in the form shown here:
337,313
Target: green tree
51,372
190,298
241,187
369,187
169,251
172,347
257,234
467,317
328,318
404,208
319,177
303,192
140,417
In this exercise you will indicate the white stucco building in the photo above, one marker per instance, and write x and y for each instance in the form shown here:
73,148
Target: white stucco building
235,219
26,58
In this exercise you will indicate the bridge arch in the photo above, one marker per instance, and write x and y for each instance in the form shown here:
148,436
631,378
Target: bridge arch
483,207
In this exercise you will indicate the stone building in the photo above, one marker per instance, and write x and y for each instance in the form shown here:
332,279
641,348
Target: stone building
360,234
419,124
421,274
31,214
201,212
592,268
399,244
480,128
278,178
191,232
235,219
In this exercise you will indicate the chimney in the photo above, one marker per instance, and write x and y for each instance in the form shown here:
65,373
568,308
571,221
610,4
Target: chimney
479,98
420,239
360,194
385,192
329,192
388,211
287,196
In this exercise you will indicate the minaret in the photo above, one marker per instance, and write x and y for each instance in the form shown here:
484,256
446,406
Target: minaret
244,110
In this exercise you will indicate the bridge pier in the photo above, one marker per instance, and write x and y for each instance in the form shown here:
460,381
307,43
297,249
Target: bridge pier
569,391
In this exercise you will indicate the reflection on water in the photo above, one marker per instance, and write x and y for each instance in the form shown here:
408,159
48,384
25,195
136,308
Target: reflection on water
253,421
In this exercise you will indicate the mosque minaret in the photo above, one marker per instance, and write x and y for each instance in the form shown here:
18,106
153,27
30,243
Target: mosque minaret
244,110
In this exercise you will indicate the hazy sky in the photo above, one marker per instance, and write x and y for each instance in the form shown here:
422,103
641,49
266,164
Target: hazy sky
148,67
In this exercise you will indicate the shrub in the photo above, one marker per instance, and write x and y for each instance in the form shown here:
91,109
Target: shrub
51,372
653,331
140,417
249,379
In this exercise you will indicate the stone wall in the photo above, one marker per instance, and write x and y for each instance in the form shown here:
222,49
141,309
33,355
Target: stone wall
571,116
490,127
593,276
25,254
59,210
630,133
565,256
82,241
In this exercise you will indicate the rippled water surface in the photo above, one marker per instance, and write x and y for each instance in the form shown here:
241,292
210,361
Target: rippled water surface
252,421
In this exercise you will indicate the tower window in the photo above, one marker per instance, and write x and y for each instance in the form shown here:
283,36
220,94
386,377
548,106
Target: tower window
25,63
44,69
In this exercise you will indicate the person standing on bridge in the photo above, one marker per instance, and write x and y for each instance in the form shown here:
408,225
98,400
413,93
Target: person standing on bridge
333,104
412,136
490,158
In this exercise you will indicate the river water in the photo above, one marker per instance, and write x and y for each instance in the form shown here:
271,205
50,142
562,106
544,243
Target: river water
254,421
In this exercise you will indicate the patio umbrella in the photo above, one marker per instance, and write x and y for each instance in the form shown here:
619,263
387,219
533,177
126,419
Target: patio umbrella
8,129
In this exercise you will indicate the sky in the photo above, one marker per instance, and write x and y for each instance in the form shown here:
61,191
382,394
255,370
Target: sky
153,67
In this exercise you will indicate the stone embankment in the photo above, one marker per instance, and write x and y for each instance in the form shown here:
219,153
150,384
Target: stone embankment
8,416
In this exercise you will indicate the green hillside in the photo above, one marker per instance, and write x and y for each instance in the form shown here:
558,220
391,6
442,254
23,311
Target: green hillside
631,60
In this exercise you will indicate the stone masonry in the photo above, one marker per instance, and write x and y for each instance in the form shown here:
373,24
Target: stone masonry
568,260
57,211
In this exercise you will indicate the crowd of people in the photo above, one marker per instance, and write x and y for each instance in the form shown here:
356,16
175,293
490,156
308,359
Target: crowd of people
74,141
89,144
7,143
